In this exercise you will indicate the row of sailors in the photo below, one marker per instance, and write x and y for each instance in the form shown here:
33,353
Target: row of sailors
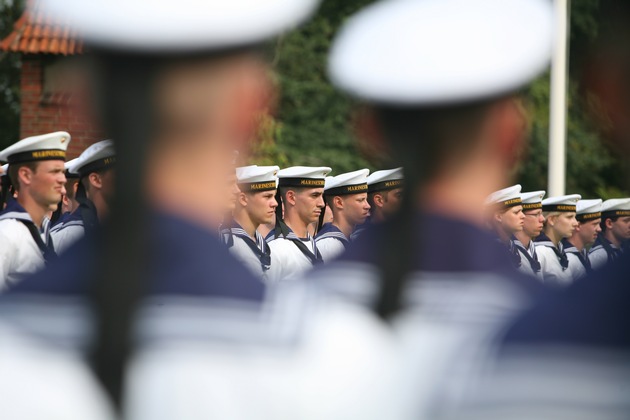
559,239
284,222
50,204
276,226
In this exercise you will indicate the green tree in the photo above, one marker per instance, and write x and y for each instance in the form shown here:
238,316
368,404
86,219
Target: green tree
10,11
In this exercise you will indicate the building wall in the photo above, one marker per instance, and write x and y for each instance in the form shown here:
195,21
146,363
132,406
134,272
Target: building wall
44,113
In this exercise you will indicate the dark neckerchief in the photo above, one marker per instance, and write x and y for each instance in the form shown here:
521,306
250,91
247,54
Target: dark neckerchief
259,248
15,211
611,252
558,250
331,231
582,255
284,231
533,259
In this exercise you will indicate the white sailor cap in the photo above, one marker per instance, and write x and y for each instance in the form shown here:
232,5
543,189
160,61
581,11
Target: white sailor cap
442,51
99,156
589,209
70,168
255,178
616,207
562,203
532,200
387,179
354,182
505,198
51,146
166,25
303,176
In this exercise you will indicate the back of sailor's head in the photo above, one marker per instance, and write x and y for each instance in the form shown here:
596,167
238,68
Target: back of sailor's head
432,71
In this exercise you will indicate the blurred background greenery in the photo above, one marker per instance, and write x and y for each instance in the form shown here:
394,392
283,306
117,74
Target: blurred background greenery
312,122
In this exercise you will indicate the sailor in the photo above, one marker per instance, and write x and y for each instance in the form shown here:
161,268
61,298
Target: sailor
300,203
346,196
615,230
36,171
576,247
385,190
95,170
506,218
69,202
532,227
255,205
438,90
385,193
560,222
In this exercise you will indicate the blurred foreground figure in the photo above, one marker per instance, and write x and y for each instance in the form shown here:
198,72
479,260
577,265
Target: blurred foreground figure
181,85
36,172
569,356
439,84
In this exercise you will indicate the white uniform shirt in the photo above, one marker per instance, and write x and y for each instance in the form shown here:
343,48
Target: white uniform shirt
598,254
450,318
330,248
576,266
303,360
244,253
41,381
553,272
19,254
331,242
66,234
287,260
526,266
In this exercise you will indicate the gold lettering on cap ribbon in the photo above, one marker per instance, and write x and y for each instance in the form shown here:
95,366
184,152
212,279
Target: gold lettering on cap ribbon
312,182
42,154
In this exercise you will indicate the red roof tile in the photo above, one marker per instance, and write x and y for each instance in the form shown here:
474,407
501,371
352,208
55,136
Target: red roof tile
35,33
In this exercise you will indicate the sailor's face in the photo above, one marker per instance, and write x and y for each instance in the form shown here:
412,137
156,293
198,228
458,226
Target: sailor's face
533,223
621,228
232,192
310,204
589,230
391,201
262,207
47,182
565,224
356,208
513,219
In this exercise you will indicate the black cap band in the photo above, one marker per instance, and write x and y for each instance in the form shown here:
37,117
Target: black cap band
301,182
385,185
347,190
588,216
615,213
257,186
97,165
532,206
35,155
563,208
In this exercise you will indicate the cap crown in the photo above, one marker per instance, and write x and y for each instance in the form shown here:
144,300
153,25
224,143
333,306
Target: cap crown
348,183
166,25
507,197
442,51
51,146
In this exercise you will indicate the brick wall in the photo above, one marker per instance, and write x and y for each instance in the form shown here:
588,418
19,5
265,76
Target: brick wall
40,115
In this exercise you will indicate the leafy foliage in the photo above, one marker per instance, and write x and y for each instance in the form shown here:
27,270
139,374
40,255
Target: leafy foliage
10,11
